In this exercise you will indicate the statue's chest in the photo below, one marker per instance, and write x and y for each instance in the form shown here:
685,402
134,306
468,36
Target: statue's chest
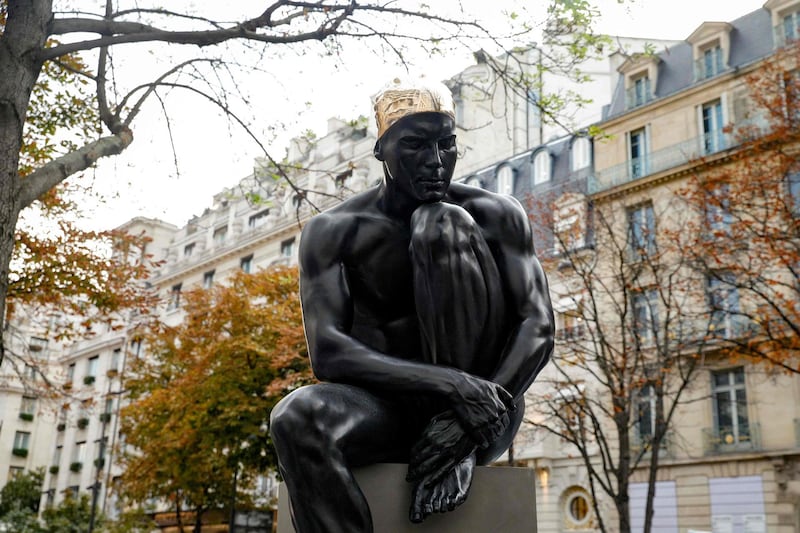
380,274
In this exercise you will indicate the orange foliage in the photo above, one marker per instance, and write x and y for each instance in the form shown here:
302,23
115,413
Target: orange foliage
748,219
209,386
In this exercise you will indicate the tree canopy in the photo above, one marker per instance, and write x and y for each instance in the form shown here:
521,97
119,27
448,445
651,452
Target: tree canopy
200,403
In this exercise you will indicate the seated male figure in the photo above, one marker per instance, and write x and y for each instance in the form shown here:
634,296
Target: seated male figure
427,317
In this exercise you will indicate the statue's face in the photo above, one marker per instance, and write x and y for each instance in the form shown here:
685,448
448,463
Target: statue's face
419,152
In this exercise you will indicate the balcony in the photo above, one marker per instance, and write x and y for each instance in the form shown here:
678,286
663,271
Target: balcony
784,34
659,160
636,96
705,69
732,439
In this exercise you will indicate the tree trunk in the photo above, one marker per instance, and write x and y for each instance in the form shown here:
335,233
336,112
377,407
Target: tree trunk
24,37
198,520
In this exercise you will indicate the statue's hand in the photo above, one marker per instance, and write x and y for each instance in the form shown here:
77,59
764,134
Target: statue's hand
482,408
442,446
445,494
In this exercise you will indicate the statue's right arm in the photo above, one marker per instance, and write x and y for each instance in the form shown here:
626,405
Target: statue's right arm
338,357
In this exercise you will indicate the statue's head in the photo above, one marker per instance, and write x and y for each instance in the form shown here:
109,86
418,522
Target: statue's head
416,138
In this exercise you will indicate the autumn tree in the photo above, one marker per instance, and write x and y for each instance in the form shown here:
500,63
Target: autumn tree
48,135
746,238
629,339
200,403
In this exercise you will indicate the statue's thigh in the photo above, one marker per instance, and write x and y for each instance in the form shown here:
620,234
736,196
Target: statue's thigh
364,428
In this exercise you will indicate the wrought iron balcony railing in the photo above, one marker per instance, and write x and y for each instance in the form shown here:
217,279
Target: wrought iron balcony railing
666,158
744,437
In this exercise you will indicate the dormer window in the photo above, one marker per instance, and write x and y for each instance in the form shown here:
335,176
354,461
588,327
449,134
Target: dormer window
709,64
641,74
541,167
785,20
711,44
505,180
581,153
639,93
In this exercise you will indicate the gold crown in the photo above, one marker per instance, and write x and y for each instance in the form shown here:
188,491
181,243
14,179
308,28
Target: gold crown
400,98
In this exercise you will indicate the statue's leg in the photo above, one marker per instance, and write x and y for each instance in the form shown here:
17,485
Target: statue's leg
457,287
459,299
320,432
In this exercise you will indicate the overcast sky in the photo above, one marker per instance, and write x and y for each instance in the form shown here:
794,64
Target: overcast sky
212,154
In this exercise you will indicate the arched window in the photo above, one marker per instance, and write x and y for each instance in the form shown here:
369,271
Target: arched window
505,180
541,167
581,153
473,181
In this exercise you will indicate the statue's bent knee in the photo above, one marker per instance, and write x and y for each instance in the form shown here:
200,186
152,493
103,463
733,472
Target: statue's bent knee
294,415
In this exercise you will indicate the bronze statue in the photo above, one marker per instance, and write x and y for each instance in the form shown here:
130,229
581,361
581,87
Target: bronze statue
427,316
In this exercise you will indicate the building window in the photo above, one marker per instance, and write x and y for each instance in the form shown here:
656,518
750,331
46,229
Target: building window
22,440
581,153
79,452
577,508
28,406
208,279
641,231
791,27
793,189
259,219
637,151
473,181
188,250
91,366
723,298
71,373
709,64
569,223
541,167
639,93
645,316
220,234
571,326
505,180
645,415
136,347
246,263
174,297
116,359
57,455
297,201
730,407
287,247
713,135
719,218
15,471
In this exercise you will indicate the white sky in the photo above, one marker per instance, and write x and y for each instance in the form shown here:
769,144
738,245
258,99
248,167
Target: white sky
212,154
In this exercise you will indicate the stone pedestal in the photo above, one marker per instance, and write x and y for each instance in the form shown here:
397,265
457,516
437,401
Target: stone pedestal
502,499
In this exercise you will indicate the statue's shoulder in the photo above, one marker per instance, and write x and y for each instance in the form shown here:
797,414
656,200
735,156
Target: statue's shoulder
486,206
329,231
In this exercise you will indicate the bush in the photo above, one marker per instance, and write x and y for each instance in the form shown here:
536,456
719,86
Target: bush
28,417
105,417
61,426
54,469
83,423
88,380
20,452
76,466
